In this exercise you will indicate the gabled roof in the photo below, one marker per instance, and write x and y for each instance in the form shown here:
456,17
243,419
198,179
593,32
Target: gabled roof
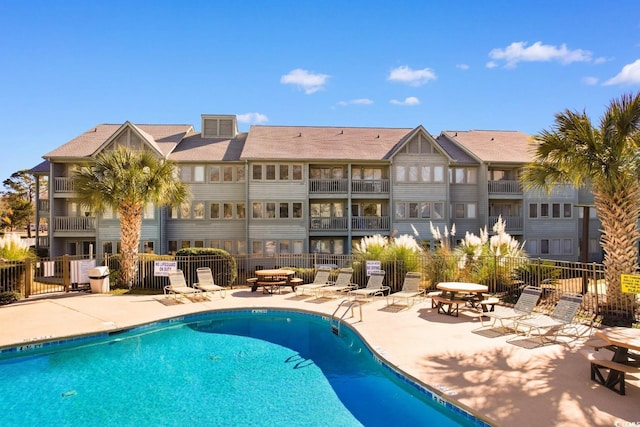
321,143
196,148
164,137
408,137
497,146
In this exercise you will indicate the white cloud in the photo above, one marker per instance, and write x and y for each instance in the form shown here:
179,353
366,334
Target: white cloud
601,60
309,82
404,74
491,64
630,74
591,81
462,66
538,52
252,118
359,101
410,101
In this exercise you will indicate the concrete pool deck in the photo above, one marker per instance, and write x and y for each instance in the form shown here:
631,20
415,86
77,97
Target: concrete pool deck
507,383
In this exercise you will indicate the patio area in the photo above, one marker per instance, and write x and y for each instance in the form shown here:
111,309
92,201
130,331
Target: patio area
508,383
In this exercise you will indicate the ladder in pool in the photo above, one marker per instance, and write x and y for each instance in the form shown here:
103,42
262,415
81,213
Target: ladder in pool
336,321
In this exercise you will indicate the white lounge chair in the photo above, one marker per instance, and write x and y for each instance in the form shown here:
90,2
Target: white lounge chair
523,308
207,284
321,279
374,287
178,286
410,290
339,287
560,319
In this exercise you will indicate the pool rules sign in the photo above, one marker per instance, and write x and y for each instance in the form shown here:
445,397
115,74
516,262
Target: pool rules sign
630,283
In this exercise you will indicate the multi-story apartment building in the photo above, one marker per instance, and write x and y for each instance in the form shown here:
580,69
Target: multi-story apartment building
301,189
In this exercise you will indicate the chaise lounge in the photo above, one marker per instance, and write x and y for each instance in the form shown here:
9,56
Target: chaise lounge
178,286
410,290
374,287
524,307
340,286
206,283
321,279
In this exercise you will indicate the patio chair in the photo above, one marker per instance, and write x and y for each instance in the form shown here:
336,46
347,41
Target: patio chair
560,319
410,290
523,308
374,287
178,286
340,286
206,283
321,279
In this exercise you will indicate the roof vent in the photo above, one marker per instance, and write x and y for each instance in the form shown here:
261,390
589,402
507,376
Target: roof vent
219,126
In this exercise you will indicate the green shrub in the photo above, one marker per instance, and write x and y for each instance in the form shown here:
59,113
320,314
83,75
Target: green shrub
13,248
397,256
9,297
222,264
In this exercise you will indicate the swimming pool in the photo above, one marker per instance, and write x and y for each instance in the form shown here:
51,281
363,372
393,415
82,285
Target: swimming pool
249,367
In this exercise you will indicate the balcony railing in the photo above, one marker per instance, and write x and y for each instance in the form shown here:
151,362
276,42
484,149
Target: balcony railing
370,186
336,223
358,223
370,223
330,186
44,205
74,223
43,241
505,187
63,185
513,222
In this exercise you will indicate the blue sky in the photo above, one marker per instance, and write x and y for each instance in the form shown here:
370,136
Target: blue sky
447,65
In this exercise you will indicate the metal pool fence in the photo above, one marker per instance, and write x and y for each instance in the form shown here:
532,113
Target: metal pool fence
504,276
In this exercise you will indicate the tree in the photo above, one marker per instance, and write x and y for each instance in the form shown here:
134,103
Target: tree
607,158
19,199
126,181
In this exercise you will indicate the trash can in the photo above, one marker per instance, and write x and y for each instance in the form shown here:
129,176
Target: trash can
99,279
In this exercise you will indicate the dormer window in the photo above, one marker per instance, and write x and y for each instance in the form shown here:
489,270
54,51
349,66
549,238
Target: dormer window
219,126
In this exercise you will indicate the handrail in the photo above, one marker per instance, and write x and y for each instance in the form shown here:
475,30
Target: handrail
335,328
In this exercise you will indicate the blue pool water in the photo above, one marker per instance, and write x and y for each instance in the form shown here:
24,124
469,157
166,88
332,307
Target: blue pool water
255,367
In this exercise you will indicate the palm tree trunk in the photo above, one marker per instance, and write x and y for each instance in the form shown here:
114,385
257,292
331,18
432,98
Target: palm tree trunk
618,212
130,225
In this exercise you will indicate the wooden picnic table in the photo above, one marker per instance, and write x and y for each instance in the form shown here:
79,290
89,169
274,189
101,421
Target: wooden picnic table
271,280
448,302
620,341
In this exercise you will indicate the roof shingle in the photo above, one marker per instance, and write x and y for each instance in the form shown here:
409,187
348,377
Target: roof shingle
495,145
321,143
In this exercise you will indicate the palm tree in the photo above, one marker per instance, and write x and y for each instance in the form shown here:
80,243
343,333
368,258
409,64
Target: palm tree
607,158
126,181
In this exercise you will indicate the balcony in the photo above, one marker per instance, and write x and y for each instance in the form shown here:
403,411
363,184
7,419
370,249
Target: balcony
44,205
505,187
514,223
370,223
74,223
379,186
328,186
43,241
63,185
328,224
